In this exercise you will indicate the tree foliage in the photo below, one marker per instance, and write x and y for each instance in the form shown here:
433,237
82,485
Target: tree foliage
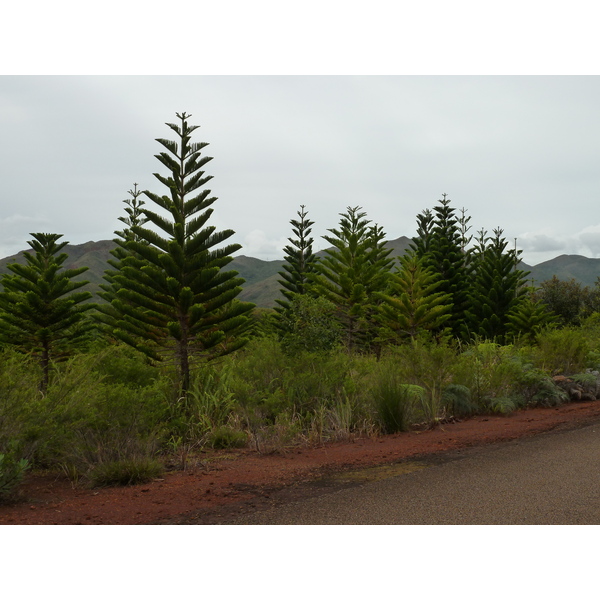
351,273
497,286
568,300
440,244
181,300
41,313
299,260
413,304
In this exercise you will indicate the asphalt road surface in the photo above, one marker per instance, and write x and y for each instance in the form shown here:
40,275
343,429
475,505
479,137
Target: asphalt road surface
551,479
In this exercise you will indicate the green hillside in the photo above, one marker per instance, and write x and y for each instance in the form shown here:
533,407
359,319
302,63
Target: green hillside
262,277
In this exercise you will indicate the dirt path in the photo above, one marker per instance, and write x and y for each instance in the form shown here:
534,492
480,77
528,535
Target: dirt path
223,485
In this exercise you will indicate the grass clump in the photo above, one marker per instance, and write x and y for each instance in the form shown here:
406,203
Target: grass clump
126,471
12,470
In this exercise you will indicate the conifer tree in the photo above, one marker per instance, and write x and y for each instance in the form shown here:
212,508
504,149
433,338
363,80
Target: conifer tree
496,287
442,250
350,274
412,304
40,311
108,313
528,317
299,260
181,301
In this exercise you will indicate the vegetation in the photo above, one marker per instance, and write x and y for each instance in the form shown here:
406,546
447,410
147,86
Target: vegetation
351,275
299,260
173,291
358,346
40,313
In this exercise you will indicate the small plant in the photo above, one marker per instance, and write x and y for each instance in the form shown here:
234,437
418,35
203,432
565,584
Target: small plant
502,405
458,400
538,389
394,400
127,471
12,471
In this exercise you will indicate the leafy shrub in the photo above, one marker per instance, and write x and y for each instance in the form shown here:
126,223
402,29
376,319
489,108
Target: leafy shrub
538,389
122,364
458,401
502,405
491,372
429,365
309,325
562,351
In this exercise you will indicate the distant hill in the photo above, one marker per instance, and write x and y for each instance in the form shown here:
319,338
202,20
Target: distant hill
261,276
567,266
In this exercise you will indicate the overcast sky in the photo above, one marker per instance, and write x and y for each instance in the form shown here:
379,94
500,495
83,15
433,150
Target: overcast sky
518,152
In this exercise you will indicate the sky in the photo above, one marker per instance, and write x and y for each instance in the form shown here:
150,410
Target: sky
517,152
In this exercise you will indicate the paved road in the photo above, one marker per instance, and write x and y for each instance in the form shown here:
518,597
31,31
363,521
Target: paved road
553,478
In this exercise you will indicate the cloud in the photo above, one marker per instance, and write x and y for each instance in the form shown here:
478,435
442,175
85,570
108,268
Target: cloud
15,230
258,245
589,238
541,242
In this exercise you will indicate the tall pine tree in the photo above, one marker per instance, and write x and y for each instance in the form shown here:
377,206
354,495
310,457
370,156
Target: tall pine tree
108,312
440,244
181,301
299,260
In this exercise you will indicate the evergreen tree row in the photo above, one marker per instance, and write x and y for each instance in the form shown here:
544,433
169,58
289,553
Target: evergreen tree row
443,285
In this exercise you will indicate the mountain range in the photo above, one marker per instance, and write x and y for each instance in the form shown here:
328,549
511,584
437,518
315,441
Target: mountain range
261,276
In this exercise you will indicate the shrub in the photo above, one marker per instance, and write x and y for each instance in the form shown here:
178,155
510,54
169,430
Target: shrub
429,365
458,401
538,389
562,351
492,373
309,324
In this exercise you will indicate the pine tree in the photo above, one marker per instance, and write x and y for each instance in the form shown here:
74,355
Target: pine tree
41,313
181,301
300,260
496,287
351,273
440,241
413,305
528,317
108,313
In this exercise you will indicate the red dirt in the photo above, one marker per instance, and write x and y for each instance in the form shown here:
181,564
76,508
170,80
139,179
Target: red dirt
223,484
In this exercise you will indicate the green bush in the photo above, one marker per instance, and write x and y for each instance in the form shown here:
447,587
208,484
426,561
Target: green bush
538,389
458,401
429,365
491,372
309,325
562,351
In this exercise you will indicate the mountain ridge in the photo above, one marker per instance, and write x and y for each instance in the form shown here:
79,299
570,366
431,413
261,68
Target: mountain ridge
262,277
